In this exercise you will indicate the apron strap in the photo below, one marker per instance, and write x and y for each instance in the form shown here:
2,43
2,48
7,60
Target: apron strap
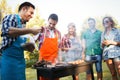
19,21
56,34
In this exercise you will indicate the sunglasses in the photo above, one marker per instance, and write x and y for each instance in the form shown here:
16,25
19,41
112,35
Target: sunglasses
105,22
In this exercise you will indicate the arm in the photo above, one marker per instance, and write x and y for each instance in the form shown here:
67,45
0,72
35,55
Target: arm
110,42
14,32
102,39
116,43
10,27
105,42
83,50
64,43
28,46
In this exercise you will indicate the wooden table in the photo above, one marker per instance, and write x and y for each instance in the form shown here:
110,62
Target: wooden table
62,71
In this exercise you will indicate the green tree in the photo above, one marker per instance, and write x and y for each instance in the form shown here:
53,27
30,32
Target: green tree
4,9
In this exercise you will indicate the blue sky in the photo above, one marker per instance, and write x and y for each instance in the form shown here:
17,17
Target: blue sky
74,10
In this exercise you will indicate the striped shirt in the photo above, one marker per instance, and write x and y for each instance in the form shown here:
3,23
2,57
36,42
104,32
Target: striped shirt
72,54
65,42
8,21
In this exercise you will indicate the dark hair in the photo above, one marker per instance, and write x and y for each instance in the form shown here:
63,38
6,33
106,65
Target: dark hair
91,19
54,17
26,4
110,19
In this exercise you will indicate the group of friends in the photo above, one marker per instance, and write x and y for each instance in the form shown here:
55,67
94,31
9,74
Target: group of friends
92,45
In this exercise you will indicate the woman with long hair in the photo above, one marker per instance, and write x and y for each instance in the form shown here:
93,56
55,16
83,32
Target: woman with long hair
110,41
71,46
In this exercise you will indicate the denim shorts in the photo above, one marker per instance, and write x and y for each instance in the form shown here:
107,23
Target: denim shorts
117,58
98,64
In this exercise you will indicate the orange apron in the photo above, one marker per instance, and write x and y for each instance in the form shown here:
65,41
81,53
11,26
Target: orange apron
49,51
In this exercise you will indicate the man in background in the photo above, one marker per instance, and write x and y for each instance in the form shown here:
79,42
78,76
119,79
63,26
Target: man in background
91,40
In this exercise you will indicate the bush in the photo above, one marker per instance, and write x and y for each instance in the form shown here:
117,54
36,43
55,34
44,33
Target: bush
31,58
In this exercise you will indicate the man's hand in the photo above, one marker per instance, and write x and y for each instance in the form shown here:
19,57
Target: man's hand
37,30
28,47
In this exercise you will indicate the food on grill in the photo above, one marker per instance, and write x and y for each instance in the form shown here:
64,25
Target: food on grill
76,62
61,64
42,63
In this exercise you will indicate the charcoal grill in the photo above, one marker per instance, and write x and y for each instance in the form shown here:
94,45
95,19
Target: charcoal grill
64,69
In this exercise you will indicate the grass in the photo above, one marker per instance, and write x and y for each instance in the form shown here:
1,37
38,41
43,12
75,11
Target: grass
31,74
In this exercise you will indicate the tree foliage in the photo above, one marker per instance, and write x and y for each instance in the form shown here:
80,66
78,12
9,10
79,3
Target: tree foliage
5,9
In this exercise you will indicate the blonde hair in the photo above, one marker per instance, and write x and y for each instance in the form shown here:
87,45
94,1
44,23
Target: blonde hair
73,25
